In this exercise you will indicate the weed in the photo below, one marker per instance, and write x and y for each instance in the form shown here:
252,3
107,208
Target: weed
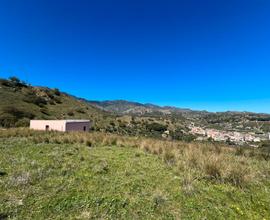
101,168
239,151
159,200
2,173
89,143
169,157
213,170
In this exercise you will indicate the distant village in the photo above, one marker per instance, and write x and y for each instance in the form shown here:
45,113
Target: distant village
236,137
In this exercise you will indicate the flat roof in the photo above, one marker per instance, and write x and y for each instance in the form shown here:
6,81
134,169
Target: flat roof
68,120
77,120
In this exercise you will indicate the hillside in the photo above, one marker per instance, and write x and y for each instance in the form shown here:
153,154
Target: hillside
135,108
201,117
101,176
235,127
21,102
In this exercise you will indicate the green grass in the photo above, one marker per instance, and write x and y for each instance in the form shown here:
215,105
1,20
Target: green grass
75,181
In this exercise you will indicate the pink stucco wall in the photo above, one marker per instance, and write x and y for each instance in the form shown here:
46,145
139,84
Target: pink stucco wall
60,125
56,125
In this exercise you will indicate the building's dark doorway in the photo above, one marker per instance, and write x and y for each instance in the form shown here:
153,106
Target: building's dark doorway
47,127
84,128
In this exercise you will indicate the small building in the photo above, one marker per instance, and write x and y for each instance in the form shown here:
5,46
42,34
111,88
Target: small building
60,125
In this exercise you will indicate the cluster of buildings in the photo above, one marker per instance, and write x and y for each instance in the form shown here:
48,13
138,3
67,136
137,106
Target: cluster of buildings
233,136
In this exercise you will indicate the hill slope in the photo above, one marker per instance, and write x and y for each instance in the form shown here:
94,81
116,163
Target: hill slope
135,108
58,176
21,102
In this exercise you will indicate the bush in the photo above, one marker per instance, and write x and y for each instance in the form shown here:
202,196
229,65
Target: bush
101,168
32,98
17,113
238,176
212,170
80,110
16,82
239,151
57,92
169,157
44,111
11,115
159,200
7,120
5,82
24,122
70,113
89,143
156,127
14,79
57,100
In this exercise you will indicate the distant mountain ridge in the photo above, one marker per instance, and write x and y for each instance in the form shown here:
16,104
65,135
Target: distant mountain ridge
129,107
21,102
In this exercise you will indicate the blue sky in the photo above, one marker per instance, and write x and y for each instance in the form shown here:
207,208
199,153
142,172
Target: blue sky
201,54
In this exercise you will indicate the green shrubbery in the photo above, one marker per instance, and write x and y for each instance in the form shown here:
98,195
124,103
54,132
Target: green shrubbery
156,127
13,82
13,117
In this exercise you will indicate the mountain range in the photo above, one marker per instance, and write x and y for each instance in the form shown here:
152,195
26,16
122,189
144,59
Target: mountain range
21,102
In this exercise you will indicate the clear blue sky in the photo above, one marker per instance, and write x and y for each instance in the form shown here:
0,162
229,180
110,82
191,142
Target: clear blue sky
201,54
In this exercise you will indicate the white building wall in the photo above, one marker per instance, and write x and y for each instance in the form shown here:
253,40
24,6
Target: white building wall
60,125
53,125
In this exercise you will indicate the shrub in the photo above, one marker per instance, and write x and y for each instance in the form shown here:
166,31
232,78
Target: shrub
114,142
80,110
32,98
14,79
239,151
70,113
11,115
89,143
17,113
57,100
213,170
3,173
5,82
56,92
158,200
146,148
156,127
238,176
7,120
169,157
101,168
45,111
16,82
24,122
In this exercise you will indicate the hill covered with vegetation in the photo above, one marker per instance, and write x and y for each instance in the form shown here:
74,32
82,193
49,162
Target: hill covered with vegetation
21,102
130,166
259,121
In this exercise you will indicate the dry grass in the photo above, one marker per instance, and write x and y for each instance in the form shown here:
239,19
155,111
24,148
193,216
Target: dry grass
236,166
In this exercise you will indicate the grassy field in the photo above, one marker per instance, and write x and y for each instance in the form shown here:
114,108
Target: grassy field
98,176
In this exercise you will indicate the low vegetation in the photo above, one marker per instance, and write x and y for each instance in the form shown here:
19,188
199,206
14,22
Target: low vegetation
21,102
98,175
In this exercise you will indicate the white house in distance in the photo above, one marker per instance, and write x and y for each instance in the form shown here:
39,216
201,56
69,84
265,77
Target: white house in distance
60,125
